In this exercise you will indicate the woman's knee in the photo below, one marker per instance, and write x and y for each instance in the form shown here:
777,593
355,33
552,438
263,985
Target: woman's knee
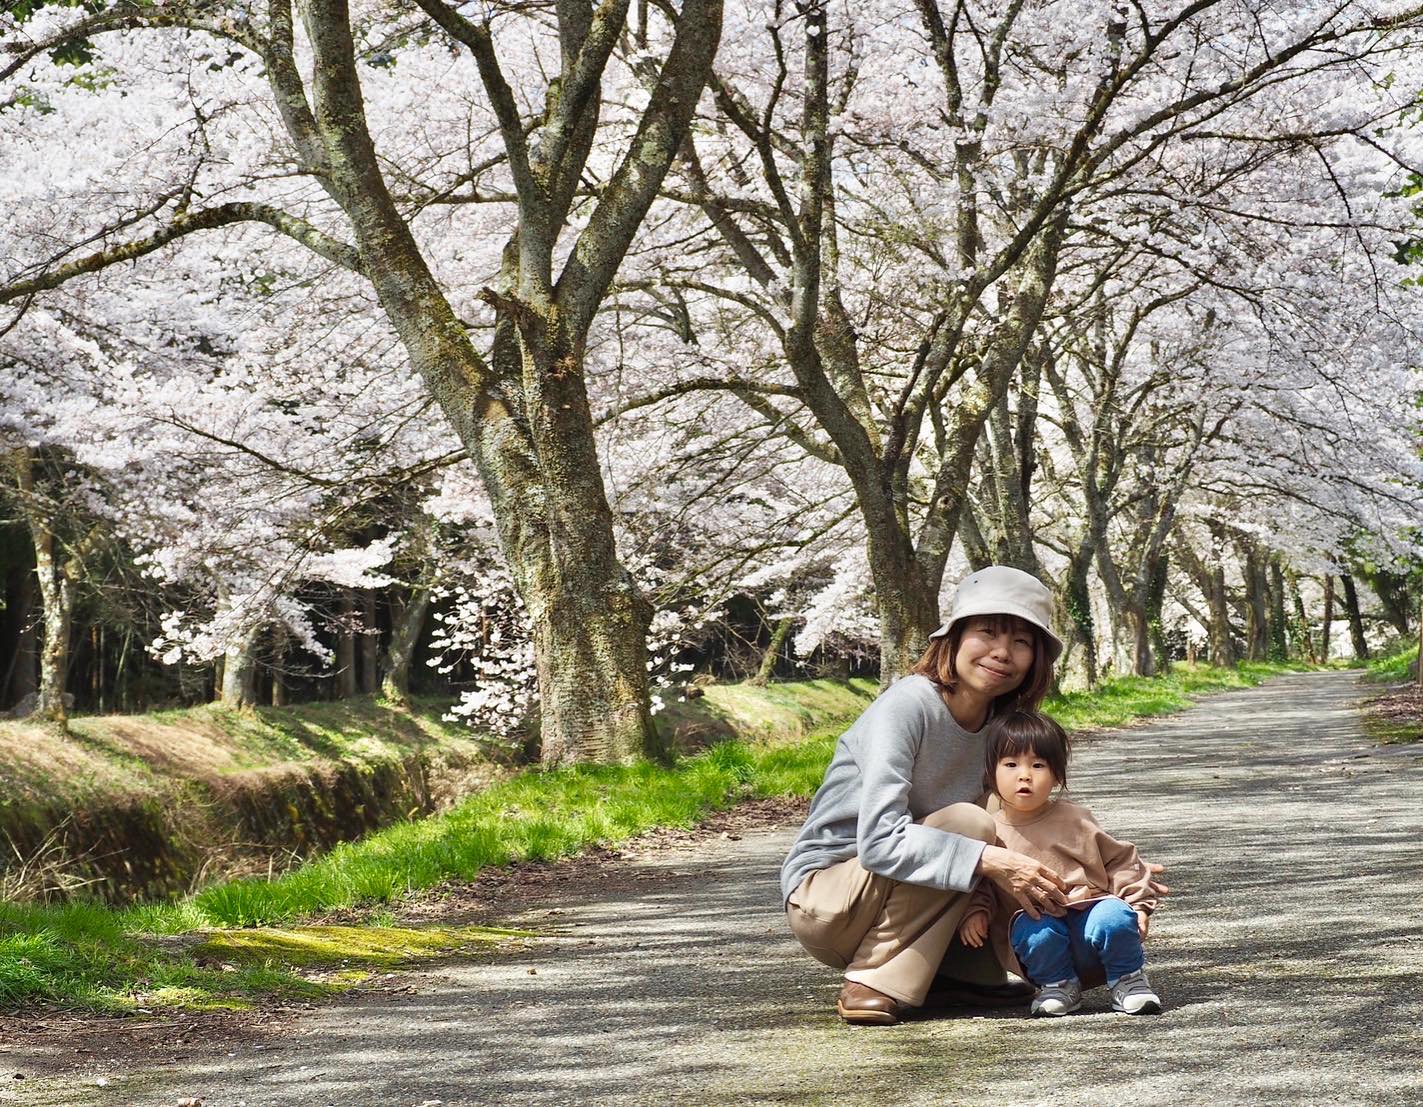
967,819
817,938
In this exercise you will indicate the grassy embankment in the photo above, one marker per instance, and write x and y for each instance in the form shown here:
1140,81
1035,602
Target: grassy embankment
201,951
1396,715
130,806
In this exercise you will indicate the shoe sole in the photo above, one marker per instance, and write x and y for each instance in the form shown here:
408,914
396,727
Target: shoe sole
1144,1009
866,1018
1040,1013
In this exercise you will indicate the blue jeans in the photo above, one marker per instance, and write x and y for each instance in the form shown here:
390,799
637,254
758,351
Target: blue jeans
1103,934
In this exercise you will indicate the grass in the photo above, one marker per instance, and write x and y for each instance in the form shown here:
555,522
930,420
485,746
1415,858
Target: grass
163,954
1122,699
1392,668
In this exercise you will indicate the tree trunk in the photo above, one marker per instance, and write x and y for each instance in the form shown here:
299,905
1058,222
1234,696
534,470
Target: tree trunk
369,643
773,653
589,646
346,675
588,618
279,649
56,588
970,536
1075,611
1326,628
1009,481
408,619
1257,610
1122,626
1303,641
1136,637
1159,660
1279,641
1209,576
239,673
1356,618
54,654
1392,593
1222,648
908,614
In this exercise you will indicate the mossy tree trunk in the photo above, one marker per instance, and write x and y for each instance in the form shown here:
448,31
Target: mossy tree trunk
1302,641
407,621
1257,604
773,652
1326,627
1074,603
1356,617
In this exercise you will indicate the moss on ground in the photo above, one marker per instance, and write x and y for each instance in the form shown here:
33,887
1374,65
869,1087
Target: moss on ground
330,946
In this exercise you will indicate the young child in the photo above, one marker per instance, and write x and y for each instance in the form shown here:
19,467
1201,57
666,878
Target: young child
1109,893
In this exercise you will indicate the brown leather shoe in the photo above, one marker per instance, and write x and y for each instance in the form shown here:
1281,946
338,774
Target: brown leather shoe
862,1005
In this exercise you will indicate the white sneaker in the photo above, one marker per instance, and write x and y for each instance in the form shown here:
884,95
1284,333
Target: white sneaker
1132,994
1061,998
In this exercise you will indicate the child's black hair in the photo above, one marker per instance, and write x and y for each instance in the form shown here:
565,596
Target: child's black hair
1016,733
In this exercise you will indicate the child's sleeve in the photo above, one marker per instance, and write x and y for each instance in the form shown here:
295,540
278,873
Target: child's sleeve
1127,875
982,899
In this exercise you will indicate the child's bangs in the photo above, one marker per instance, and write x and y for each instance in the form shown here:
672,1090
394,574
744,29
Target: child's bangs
1017,745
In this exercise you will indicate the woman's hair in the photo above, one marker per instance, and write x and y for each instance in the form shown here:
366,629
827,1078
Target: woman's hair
1020,733
937,663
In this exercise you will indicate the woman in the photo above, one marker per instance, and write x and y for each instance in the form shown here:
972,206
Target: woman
881,872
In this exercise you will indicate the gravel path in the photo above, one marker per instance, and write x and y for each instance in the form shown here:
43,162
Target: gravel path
1287,957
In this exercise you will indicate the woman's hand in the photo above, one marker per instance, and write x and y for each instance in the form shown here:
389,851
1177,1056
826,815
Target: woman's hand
974,928
1033,885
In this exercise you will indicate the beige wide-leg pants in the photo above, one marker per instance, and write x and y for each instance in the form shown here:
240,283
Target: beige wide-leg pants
893,937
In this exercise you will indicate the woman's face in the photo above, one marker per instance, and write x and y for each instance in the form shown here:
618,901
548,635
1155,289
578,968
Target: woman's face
994,655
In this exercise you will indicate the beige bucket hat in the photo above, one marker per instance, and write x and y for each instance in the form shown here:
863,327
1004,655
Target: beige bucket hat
1002,590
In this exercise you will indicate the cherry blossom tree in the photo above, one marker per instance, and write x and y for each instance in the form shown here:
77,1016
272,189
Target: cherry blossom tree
888,194
336,87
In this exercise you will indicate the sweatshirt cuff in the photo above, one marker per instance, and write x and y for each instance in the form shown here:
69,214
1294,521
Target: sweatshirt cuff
963,863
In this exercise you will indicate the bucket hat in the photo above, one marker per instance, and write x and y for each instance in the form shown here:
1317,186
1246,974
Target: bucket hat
1003,590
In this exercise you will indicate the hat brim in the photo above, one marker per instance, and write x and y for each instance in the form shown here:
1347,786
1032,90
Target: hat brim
1002,607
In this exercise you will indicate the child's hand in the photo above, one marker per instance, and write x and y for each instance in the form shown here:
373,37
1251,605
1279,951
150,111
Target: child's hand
1143,923
974,928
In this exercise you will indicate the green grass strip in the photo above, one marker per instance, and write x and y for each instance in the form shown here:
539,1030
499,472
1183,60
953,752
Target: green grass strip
105,959
1393,667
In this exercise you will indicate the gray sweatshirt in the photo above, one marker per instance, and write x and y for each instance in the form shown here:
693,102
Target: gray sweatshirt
904,758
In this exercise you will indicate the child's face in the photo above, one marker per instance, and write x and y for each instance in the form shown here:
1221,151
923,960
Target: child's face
1024,782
